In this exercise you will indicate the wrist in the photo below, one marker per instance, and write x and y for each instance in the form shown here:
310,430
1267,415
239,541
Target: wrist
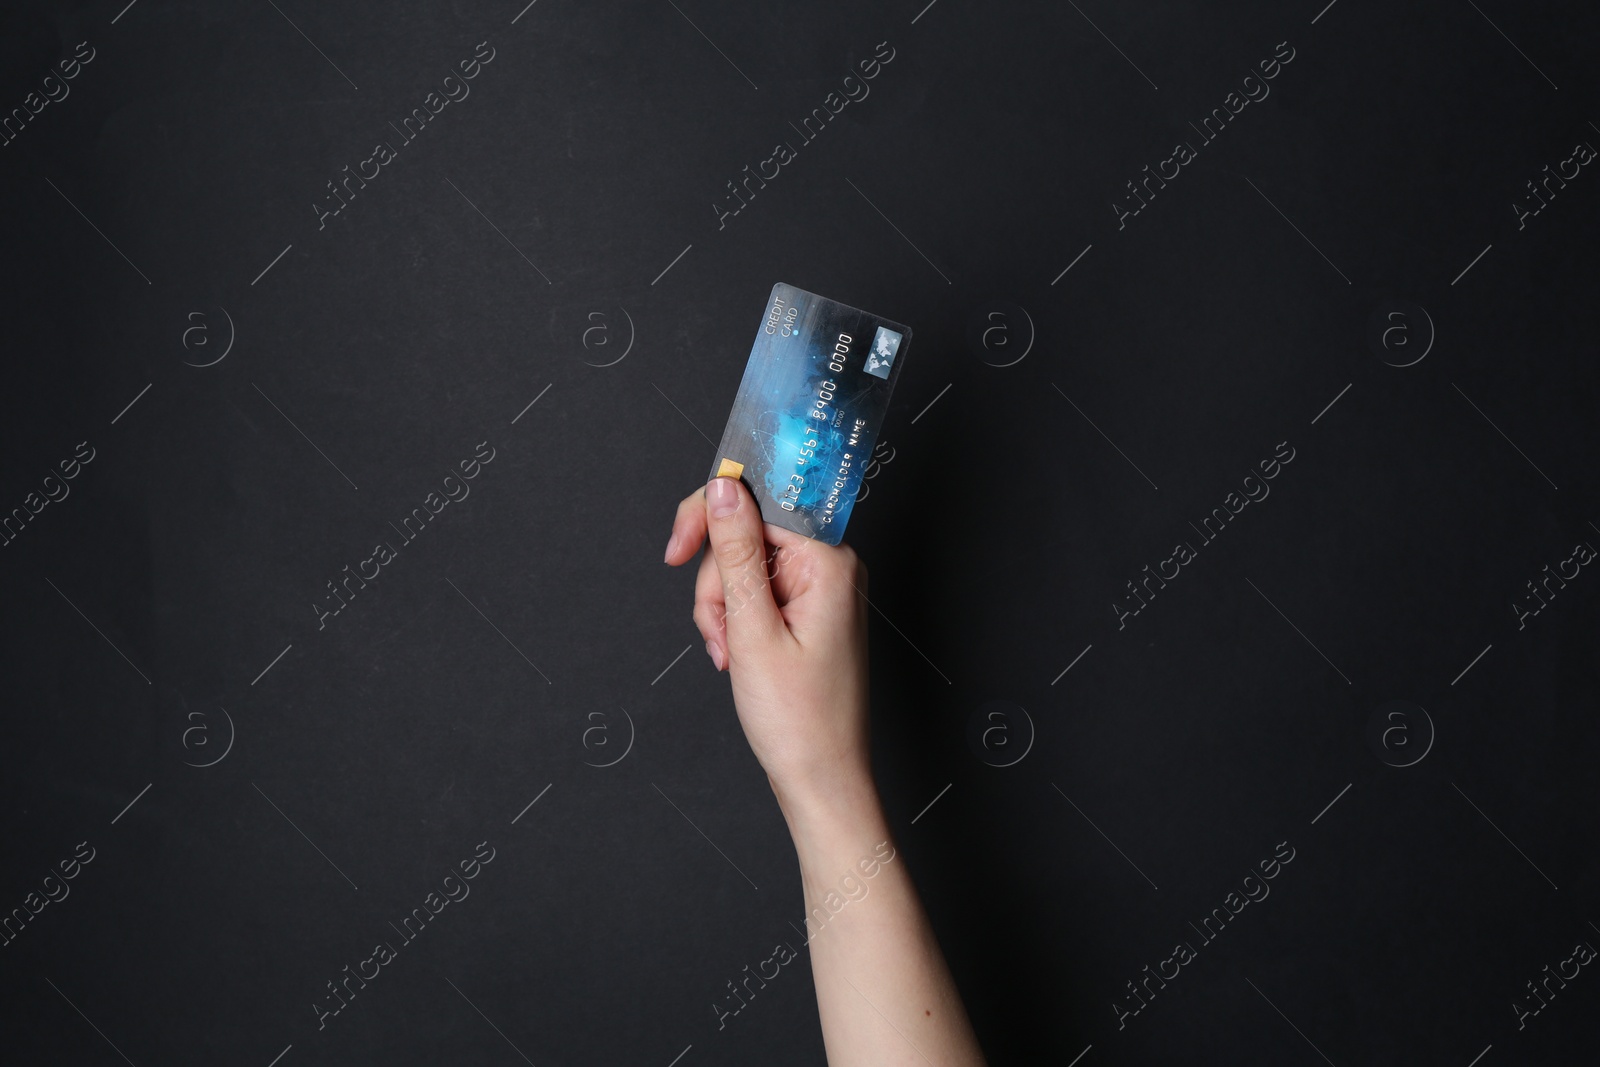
831,813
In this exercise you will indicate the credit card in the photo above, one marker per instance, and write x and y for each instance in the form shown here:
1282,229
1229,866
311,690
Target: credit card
809,409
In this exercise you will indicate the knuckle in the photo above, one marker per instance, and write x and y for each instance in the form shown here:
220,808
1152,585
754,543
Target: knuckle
737,552
706,617
689,504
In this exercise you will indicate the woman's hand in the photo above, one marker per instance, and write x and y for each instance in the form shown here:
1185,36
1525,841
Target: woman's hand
789,625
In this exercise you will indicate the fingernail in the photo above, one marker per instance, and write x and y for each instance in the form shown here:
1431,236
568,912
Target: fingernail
715,653
672,543
722,497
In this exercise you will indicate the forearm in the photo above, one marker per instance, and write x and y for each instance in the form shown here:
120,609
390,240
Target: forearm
884,991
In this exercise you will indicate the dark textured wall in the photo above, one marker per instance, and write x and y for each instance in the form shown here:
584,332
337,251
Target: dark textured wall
1330,379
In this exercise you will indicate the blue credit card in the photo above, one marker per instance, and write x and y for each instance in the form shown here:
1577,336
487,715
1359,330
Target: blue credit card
809,409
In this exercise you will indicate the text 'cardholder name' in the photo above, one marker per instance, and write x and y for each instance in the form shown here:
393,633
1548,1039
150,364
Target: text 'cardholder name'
809,409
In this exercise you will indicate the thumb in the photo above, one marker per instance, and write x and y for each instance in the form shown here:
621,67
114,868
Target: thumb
738,544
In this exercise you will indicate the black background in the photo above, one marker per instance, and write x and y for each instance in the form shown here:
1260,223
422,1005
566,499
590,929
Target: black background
1000,527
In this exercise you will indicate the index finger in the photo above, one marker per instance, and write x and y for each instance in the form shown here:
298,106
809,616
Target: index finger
689,533
688,528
